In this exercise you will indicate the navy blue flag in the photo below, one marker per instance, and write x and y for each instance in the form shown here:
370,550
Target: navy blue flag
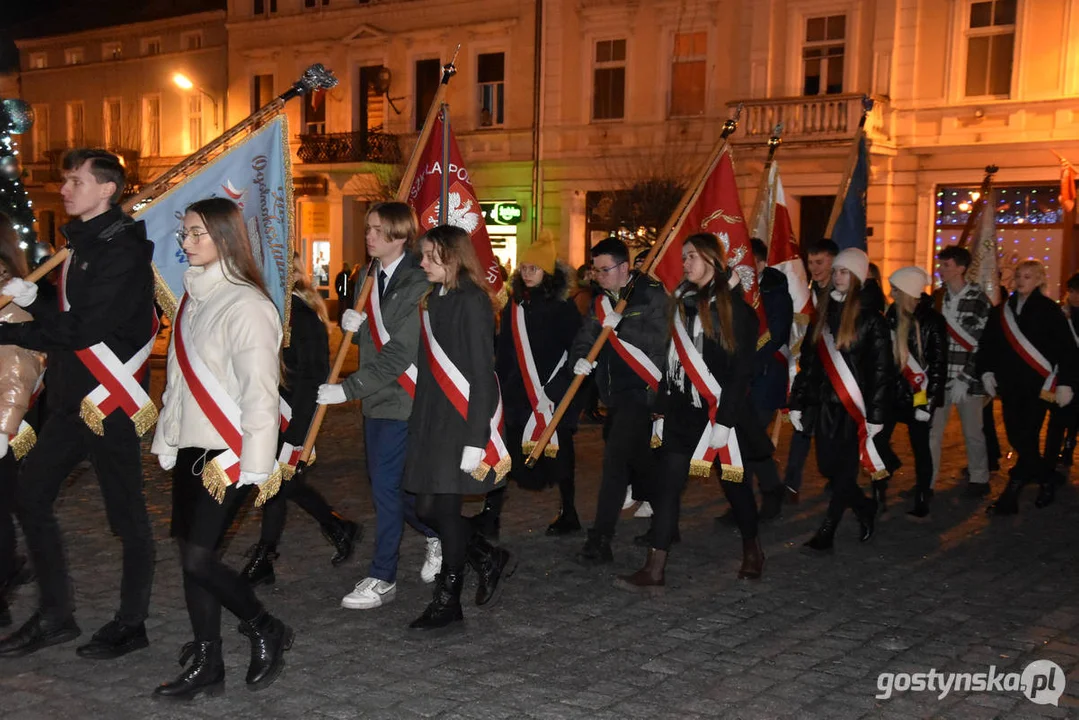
850,228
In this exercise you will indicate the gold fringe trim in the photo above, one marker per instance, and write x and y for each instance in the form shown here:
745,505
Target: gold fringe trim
501,468
1047,396
550,451
215,480
879,475
700,468
731,473
22,442
164,297
764,339
655,442
145,418
269,488
287,471
801,318
91,415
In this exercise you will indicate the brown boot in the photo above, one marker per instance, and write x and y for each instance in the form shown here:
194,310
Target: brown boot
752,560
649,578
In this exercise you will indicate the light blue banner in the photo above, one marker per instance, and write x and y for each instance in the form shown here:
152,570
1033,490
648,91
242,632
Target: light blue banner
256,174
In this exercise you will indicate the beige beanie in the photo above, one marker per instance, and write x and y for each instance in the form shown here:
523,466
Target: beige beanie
911,280
854,260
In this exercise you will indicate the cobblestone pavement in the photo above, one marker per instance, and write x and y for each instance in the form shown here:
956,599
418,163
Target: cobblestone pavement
959,594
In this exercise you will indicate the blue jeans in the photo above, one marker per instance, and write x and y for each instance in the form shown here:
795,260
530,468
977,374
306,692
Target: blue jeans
387,447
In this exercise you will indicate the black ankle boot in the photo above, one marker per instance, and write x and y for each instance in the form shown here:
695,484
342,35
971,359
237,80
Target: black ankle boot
596,550
206,674
824,538
492,565
486,522
567,522
444,611
270,638
867,521
1047,492
259,569
343,535
921,504
1008,501
880,495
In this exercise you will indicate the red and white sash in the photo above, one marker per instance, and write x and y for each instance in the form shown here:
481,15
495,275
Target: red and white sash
632,355
457,389
526,361
915,375
730,455
289,455
846,387
1030,354
120,382
961,337
223,414
380,336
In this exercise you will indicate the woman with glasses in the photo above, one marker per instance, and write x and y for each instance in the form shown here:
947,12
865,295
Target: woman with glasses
217,433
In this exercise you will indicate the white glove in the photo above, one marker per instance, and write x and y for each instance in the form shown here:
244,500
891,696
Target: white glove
167,462
796,419
922,415
351,320
720,435
873,429
657,428
3,445
1062,397
22,292
989,380
250,478
957,391
612,319
330,394
544,404
583,367
470,458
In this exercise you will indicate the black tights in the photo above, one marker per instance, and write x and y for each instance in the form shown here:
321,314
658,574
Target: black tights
442,513
667,502
275,510
209,584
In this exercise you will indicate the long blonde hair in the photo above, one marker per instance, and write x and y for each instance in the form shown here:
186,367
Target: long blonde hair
709,248
848,320
301,285
904,316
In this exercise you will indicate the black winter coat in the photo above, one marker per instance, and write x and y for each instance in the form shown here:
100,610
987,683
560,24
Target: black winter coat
463,323
870,361
552,322
307,365
110,288
931,354
1043,323
644,324
769,388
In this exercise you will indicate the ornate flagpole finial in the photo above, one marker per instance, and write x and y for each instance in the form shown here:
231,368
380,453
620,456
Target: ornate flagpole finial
867,104
450,68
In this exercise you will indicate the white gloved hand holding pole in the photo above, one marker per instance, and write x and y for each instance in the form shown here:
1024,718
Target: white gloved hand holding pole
796,419
330,394
22,292
352,320
989,380
583,367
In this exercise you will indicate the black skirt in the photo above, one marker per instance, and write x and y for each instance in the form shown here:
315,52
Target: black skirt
197,517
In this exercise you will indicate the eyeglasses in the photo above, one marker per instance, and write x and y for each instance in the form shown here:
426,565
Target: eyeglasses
183,233
610,268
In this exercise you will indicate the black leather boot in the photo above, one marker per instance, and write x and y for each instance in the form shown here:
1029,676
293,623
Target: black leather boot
752,560
270,638
880,495
444,612
921,504
1047,492
259,569
492,565
596,550
824,538
867,521
649,579
206,674
36,633
343,535
486,522
567,522
1008,501
115,639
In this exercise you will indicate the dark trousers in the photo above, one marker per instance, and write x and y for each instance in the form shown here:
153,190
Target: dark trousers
919,443
116,457
796,459
626,453
442,513
387,446
1060,435
765,470
8,483
275,511
558,470
989,428
667,500
838,458
209,584
1024,414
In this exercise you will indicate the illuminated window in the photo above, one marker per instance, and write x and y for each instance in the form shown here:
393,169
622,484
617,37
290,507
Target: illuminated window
823,55
609,80
688,71
990,45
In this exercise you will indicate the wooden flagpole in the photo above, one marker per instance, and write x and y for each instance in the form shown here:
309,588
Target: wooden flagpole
852,162
448,71
663,240
979,206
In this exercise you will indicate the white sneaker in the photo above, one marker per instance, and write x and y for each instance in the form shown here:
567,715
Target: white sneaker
432,564
644,511
628,502
369,593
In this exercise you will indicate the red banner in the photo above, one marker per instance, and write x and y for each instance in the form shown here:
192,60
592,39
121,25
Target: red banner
463,209
783,251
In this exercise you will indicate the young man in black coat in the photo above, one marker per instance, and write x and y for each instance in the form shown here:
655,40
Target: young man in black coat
627,388
109,309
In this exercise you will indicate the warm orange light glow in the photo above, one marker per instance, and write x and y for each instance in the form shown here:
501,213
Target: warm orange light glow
182,81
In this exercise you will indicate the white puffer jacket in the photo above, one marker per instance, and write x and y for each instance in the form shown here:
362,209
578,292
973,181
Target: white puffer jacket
236,332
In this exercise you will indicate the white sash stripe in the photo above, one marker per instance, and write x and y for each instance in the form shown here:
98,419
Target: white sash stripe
645,362
855,393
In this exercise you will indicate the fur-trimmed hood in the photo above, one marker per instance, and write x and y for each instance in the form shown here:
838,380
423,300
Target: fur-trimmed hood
555,285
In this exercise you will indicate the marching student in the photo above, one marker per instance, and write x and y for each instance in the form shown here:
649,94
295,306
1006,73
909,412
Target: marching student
99,337
708,417
20,379
386,383
218,436
1060,435
532,361
306,364
1029,357
455,447
627,375
919,345
843,394
965,308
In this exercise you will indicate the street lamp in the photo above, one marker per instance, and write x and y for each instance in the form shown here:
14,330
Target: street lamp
184,83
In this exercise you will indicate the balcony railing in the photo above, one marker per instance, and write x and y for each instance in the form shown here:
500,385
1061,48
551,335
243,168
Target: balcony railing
808,119
370,146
